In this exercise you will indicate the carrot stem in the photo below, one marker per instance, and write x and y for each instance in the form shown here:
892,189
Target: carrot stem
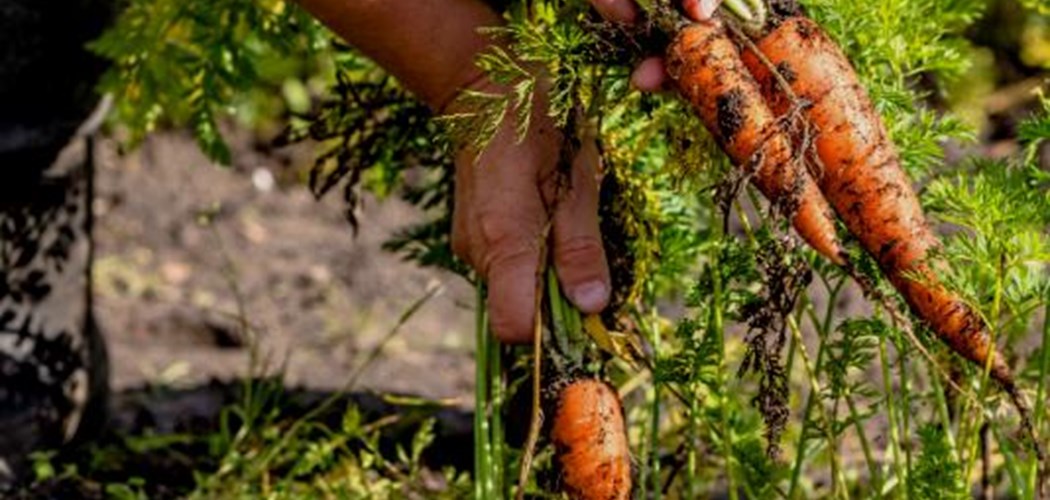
536,422
496,415
482,484
717,328
1040,398
972,437
858,424
891,415
654,424
740,9
904,408
942,410
812,371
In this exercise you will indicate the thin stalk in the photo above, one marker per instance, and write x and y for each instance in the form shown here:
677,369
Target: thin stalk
373,354
839,480
482,467
557,313
873,467
693,435
833,446
942,411
822,329
287,437
498,458
891,414
902,361
811,402
972,436
987,489
536,420
717,328
1010,461
1040,396
1044,371
654,423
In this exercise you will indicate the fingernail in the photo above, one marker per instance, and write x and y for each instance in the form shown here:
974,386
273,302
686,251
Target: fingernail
700,10
591,297
707,8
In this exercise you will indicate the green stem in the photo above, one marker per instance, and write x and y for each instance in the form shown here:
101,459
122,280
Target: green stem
822,328
654,423
740,9
905,405
971,436
1040,391
812,372
717,328
1010,461
500,485
891,414
873,467
942,410
482,467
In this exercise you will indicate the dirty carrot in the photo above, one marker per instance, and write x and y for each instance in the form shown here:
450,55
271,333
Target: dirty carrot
591,442
707,70
863,179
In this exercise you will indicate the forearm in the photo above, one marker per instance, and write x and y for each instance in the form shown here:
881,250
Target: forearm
428,45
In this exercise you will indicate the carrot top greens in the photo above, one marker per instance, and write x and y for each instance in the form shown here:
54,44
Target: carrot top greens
762,372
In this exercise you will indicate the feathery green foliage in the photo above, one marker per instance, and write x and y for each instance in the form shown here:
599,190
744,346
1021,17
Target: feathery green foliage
765,382
186,63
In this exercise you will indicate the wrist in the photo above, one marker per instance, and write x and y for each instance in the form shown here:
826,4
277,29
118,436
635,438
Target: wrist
472,78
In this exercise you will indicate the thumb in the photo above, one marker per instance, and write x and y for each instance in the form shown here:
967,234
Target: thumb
579,257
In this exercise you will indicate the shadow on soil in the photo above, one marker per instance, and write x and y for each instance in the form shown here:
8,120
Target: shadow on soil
164,439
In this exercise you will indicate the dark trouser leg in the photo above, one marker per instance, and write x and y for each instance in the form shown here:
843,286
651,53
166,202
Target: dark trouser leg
53,373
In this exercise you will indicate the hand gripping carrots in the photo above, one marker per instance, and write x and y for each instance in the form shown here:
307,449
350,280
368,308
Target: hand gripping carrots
707,70
863,179
591,442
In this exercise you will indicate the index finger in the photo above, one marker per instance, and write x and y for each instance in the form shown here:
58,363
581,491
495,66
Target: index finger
621,11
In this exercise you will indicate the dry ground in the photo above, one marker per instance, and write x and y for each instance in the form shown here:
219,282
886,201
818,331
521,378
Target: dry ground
172,287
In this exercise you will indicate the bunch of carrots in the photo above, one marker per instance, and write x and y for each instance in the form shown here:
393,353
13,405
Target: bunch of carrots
847,160
786,105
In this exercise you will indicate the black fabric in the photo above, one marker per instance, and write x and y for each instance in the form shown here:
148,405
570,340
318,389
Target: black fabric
47,75
52,363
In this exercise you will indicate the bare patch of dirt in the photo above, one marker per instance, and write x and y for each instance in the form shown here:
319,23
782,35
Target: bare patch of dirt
188,251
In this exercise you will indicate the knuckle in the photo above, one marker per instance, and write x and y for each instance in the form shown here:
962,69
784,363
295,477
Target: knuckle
502,258
503,240
509,329
579,250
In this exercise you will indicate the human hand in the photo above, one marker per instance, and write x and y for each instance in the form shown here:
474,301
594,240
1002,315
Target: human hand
501,211
651,75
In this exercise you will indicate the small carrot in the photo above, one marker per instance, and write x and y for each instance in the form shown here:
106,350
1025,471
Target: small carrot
863,179
707,70
591,441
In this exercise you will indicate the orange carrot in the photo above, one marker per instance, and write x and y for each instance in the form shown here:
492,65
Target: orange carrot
591,442
707,70
863,179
